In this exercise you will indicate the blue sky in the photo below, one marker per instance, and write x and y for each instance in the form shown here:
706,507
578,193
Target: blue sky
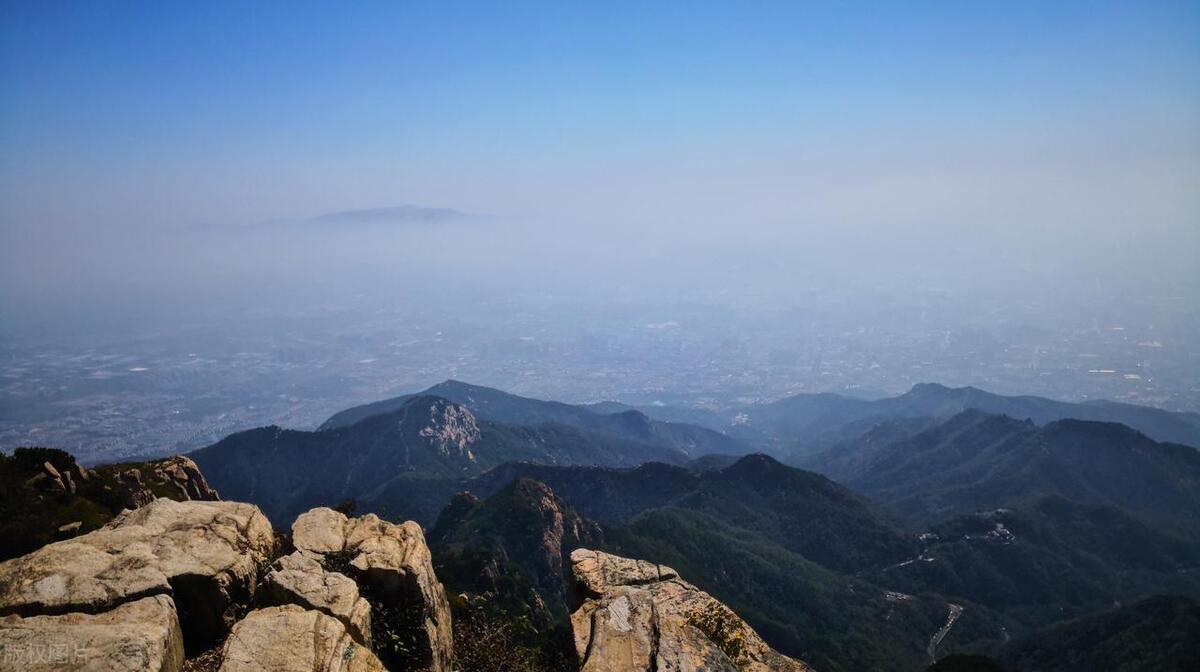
175,114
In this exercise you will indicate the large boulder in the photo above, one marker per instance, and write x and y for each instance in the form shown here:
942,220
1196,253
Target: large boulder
632,615
300,579
140,635
393,565
321,530
292,639
207,555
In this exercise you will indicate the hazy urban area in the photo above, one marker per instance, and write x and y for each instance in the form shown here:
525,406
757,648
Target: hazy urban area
532,336
180,388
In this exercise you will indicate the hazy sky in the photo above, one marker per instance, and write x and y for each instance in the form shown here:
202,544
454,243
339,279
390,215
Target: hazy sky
1061,123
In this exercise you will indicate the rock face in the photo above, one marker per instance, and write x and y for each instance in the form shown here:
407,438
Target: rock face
300,579
522,530
321,530
393,564
207,555
175,478
291,639
140,635
49,496
632,615
452,428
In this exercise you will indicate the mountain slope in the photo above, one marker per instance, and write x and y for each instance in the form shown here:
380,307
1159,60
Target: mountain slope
45,495
509,548
814,568
802,511
1159,634
1047,560
406,462
975,461
514,546
497,406
796,427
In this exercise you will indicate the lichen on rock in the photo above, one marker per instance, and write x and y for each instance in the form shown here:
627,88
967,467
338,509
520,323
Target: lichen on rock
632,615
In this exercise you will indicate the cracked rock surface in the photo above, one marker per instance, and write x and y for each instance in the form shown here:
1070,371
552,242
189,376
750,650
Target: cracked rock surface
393,563
140,635
292,638
300,579
206,555
632,615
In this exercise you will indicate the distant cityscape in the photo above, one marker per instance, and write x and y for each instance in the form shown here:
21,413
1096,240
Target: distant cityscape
180,389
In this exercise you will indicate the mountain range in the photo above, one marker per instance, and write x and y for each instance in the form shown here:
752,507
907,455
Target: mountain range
975,461
406,461
399,215
798,426
496,406
919,528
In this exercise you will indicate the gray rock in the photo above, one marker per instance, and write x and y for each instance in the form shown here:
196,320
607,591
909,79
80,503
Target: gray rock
300,579
207,555
291,639
632,615
393,562
321,530
141,635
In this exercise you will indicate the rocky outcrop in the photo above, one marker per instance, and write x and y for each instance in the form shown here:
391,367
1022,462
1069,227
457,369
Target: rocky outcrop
524,530
393,565
139,635
452,428
175,478
300,579
321,530
49,496
207,555
168,577
65,479
291,639
633,615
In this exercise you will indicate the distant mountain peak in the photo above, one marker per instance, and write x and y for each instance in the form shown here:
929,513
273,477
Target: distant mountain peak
759,460
940,390
929,387
756,465
398,214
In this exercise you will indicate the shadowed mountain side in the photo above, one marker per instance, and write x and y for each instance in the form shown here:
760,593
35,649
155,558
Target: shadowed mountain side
804,512
508,550
1159,634
796,427
975,461
1049,559
405,463
497,406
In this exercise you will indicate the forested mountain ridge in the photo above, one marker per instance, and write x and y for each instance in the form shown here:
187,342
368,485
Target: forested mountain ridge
407,461
975,461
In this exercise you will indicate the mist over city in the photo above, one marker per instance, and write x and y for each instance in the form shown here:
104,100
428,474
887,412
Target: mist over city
589,219
878,322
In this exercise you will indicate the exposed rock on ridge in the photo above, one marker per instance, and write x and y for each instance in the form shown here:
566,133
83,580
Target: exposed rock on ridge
452,428
291,639
139,635
522,530
175,478
300,579
46,496
394,564
207,555
633,615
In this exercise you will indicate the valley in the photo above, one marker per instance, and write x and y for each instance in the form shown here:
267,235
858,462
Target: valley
951,537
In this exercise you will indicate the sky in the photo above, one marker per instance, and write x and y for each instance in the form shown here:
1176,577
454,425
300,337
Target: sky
1035,126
